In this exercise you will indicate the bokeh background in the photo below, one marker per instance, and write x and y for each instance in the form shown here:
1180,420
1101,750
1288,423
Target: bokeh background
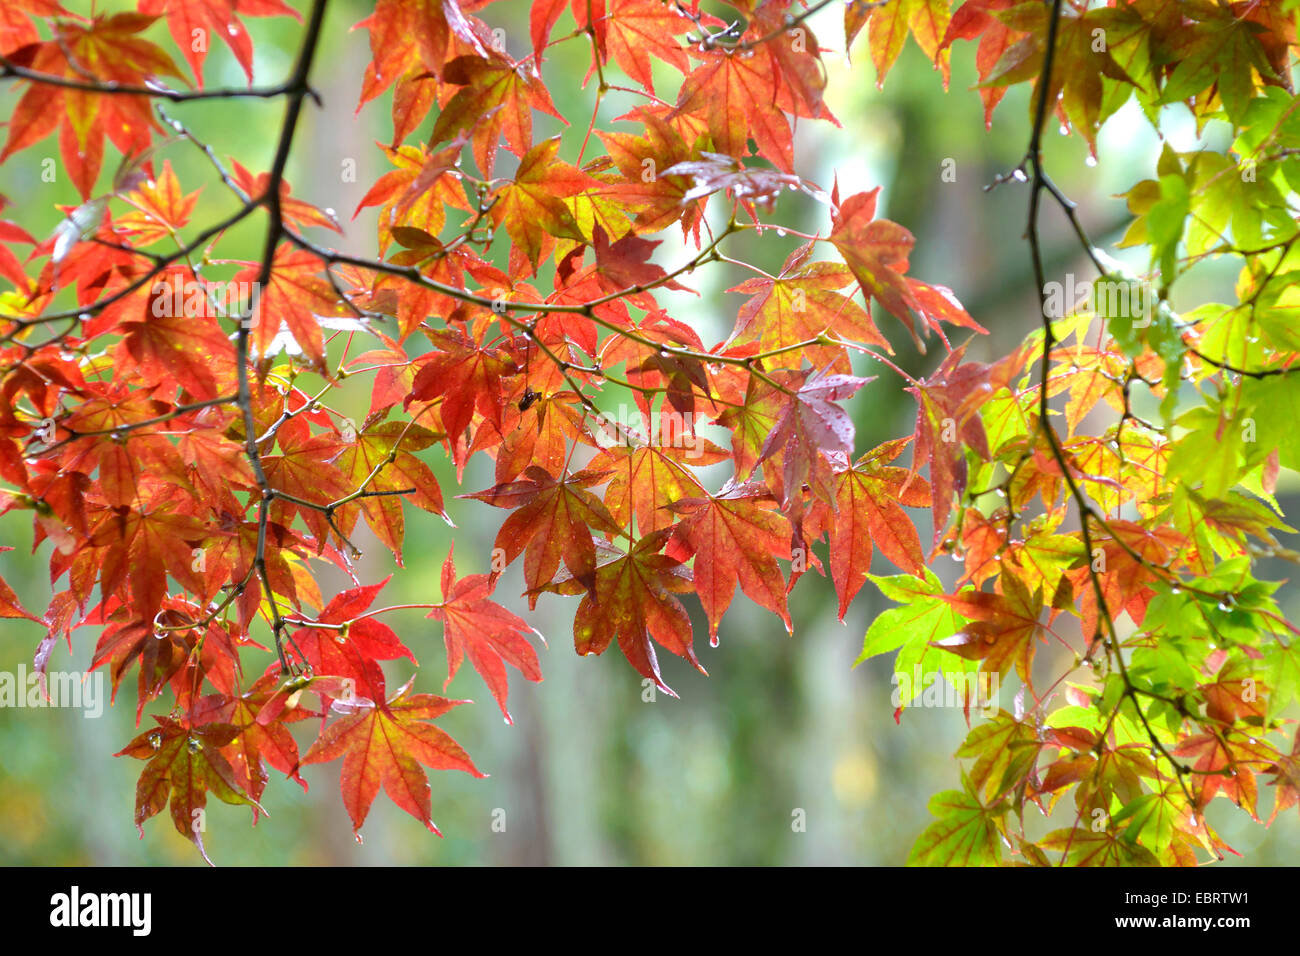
592,772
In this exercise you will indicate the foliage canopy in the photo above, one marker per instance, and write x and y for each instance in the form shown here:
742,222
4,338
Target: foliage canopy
1109,485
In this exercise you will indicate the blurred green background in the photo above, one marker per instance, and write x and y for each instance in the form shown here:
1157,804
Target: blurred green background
592,772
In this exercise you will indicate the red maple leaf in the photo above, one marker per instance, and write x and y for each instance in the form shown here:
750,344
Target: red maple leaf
491,635
735,539
633,601
383,746
552,519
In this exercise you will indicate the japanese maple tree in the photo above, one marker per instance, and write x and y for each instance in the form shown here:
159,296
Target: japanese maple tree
1109,485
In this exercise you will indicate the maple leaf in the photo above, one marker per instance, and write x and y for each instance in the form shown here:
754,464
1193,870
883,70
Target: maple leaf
734,540
306,470
491,635
495,99
657,199
295,211
888,26
1087,847
294,298
552,519
915,630
937,304
636,29
466,377
187,345
1221,51
1226,762
411,34
750,421
417,193
811,433
1003,626
531,208
161,654
193,22
351,644
868,496
259,739
1078,83
159,208
381,459
447,265
946,420
633,601
141,546
541,437
626,262
734,95
800,304
973,20
16,27
966,833
185,764
383,746
793,57
110,49
877,250
1126,585
1005,751
542,17
645,480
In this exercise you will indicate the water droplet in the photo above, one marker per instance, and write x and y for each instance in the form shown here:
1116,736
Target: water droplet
1064,130
359,840
329,211
193,744
340,639
1175,590
1019,176
1224,606
155,740
1090,160
781,233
